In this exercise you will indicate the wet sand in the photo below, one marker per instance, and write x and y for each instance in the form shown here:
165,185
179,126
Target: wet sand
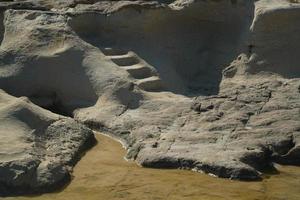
103,174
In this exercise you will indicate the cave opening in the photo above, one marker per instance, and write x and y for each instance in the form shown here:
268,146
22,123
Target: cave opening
51,101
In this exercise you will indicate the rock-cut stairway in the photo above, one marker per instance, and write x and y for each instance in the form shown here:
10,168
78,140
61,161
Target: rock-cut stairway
144,74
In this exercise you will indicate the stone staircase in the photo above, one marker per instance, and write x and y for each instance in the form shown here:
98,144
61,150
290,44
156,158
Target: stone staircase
144,74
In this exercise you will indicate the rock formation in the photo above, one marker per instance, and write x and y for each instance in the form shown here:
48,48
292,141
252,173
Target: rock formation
38,147
210,86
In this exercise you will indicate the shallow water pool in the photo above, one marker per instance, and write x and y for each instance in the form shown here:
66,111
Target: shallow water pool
103,174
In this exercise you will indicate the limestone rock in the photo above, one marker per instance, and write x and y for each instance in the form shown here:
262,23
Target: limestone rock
211,86
38,148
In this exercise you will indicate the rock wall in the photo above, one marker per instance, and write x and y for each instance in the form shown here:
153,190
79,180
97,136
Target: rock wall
274,39
189,48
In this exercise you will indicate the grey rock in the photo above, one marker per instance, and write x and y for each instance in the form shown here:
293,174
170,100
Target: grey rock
204,85
38,148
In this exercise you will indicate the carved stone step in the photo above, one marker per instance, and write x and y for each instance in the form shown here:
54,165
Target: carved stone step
113,52
152,83
139,71
125,60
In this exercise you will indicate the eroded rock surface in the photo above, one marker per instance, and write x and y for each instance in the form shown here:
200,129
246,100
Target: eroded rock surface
38,148
211,86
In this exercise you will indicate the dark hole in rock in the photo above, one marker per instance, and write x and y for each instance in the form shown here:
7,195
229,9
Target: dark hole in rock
1,26
51,102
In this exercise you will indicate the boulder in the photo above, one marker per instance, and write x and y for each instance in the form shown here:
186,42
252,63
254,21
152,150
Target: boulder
38,148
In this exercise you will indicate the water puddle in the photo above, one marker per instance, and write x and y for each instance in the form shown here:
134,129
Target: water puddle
103,174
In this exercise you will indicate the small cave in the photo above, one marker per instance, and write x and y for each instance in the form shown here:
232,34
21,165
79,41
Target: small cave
189,48
51,101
